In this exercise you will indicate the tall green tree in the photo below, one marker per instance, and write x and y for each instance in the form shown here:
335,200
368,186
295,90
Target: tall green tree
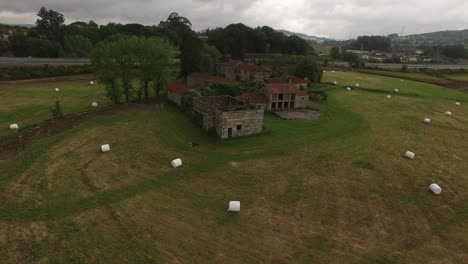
310,69
50,24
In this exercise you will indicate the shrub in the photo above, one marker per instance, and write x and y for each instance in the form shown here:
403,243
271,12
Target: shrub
56,109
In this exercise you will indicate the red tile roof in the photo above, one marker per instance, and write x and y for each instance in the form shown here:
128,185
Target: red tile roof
282,88
178,87
254,98
203,77
286,79
302,93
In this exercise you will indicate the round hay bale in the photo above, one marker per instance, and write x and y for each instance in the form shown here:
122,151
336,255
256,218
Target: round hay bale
410,155
234,206
389,96
91,82
357,84
448,113
14,126
57,89
435,188
94,104
396,90
427,120
457,103
348,88
105,148
335,82
176,163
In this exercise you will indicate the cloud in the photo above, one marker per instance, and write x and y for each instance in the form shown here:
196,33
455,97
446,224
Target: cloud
331,18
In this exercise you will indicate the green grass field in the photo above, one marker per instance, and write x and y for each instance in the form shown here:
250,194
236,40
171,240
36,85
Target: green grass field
27,104
458,77
336,190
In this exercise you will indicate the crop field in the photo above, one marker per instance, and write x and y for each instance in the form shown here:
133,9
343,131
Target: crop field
333,190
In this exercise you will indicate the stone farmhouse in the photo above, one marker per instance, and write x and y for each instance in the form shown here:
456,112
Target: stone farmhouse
236,70
283,97
198,79
228,116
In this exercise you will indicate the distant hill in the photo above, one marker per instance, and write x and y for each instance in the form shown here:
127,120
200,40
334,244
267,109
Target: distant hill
304,36
18,25
448,37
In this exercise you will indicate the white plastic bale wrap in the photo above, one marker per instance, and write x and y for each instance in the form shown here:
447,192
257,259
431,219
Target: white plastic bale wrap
348,88
457,103
427,120
435,188
401,80
94,104
91,82
14,126
105,148
357,84
57,89
389,96
409,154
335,82
234,206
396,90
333,71
176,163
448,113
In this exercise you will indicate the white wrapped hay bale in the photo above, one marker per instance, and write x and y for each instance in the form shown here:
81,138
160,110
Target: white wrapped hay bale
427,120
396,90
234,206
333,71
402,80
14,126
94,104
435,188
448,113
57,89
457,103
409,154
357,84
389,96
91,82
105,148
176,163
348,88
335,82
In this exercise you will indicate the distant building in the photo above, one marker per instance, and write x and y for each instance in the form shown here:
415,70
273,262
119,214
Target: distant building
285,96
228,116
175,90
204,38
363,54
236,70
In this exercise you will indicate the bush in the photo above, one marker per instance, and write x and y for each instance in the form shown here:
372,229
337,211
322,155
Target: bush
56,109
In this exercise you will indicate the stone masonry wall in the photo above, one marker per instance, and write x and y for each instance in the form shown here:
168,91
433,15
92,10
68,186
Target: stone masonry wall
250,122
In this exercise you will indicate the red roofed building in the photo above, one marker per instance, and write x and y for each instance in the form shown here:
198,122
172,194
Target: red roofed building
285,96
237,70
197,79
296,81
175,90
258,99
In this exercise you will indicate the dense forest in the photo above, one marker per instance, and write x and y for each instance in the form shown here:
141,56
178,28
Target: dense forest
51,37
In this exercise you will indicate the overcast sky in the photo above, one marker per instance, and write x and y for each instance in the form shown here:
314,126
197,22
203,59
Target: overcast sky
328,18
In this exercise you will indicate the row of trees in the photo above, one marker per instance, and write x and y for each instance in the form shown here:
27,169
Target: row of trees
238,39
130,66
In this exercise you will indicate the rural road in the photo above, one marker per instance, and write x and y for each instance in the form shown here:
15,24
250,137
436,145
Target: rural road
410,66
6,62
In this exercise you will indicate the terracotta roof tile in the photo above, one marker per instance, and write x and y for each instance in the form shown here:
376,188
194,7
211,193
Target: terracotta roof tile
286,79
178,87
203,77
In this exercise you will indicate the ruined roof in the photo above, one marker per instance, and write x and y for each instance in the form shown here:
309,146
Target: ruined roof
287,79
203,77
178,87
282,88
254,98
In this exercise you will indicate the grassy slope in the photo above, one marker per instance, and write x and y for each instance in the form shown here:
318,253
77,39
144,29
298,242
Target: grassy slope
331,191
459,77
28,104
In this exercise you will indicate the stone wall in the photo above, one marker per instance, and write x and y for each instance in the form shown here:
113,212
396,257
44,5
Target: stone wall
239,123
301,101
203,113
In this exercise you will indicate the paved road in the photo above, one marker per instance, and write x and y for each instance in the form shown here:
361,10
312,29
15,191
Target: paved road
410,66
6,62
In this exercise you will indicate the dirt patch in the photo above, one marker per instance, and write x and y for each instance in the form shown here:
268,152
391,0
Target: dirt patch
54,126
307,114
5,84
